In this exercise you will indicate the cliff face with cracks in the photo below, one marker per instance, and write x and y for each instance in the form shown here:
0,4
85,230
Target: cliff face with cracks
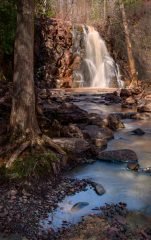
59,49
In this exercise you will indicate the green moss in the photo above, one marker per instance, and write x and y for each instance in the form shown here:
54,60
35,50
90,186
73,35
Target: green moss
35,165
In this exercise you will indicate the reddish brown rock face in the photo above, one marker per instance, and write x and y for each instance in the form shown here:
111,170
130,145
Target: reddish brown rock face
56,47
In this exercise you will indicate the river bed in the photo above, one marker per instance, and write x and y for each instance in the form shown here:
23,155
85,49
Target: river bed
121,184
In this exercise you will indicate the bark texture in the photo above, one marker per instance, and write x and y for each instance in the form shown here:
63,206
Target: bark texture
134,80
23,115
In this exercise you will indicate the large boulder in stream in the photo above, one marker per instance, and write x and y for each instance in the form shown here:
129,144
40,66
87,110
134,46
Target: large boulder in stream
95,132
123,155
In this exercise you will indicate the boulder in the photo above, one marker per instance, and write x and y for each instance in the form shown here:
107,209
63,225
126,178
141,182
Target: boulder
95,119
141,116
112,97
78,206
70,113
138,131
74,145
100,143
123,155
94,132
114,122
146,107
72,130
133,166
125,93
98,188
129,102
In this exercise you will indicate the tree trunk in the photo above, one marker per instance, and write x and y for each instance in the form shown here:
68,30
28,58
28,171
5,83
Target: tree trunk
105,10
134,80
23,120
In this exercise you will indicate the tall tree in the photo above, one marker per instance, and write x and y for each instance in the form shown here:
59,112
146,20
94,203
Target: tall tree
134,80
105,10
23,121
23,116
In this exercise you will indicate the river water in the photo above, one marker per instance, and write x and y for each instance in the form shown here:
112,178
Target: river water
120,184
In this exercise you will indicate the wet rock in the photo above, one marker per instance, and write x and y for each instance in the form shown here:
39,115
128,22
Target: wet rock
100,143
141,116
145,107
112,98
78,206
70,113
72,130
99,189
114,122
125,115
138,131
129,102
133,166
123,155
94,132
96,119
125,93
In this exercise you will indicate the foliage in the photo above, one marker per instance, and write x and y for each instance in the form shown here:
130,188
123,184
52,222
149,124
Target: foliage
45,8
8,13
132,2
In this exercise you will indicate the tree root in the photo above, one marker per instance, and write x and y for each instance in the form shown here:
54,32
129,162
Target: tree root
48,141
40,141
11,147
15,155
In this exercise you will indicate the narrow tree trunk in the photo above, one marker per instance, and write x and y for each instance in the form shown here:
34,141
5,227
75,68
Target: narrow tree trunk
23,120
134,80
105,10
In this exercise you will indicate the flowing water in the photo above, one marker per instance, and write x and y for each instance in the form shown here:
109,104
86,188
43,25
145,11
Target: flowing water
120,184
102,71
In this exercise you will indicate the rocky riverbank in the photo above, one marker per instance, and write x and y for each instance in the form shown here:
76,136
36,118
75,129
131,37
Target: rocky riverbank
115,222
83,136
22,205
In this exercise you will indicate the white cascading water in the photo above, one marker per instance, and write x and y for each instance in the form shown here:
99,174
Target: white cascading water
101,66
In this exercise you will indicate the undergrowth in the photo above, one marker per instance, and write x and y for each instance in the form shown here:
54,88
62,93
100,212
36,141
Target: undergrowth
33,165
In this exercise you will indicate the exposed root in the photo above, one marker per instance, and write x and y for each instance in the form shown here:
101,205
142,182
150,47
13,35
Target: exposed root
53,145
15,155
40,141
11,147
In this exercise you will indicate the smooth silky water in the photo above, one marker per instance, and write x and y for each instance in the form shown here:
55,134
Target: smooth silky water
120,183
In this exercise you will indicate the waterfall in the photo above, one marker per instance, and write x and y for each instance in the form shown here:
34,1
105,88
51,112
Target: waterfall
98,68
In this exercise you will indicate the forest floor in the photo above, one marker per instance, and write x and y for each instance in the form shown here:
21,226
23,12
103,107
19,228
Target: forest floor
22,205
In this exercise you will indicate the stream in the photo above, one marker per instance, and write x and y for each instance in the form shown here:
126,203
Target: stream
121,184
